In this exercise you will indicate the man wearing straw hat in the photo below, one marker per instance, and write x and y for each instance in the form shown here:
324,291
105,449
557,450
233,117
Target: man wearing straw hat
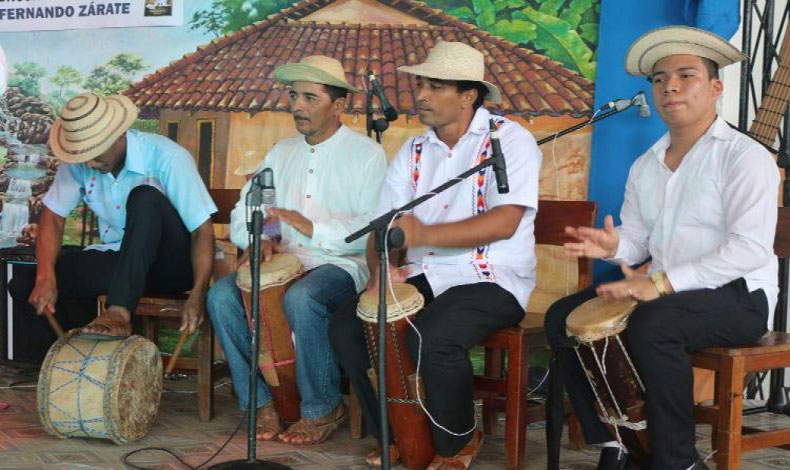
470,249
702,202
153,210
327,182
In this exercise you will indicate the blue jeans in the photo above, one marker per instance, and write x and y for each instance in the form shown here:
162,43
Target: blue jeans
308,304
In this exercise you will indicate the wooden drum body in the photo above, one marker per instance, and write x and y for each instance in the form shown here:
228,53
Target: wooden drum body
276,357
620,399
103,389
410,426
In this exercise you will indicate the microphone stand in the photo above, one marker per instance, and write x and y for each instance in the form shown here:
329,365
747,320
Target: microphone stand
378,125
379,225
254,200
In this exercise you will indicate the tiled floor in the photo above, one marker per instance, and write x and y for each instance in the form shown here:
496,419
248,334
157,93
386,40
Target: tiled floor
25,445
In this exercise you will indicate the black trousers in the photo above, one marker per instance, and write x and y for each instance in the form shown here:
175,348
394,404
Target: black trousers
661,335
450,325
155,257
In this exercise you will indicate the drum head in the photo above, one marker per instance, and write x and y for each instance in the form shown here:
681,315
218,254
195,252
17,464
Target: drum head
409,302
598,318
277,272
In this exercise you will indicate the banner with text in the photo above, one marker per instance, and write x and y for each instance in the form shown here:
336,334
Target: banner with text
39,15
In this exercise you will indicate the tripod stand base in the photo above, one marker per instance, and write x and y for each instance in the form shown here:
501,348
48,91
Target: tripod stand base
243,464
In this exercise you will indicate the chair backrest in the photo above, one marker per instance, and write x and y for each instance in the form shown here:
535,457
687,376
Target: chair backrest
557,274
225,200
550,223
782,238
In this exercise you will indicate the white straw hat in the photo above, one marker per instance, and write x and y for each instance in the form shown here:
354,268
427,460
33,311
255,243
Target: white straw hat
315,69
673,40
250,161
455,61
89,124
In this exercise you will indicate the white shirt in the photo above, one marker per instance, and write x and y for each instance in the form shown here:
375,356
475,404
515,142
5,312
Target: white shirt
425,162
709,222
152,160
335,184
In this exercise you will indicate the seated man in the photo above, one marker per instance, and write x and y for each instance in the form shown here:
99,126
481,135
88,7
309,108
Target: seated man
327,182
470,249
154,218
702,202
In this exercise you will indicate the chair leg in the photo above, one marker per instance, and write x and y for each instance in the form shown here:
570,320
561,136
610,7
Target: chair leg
205,386
729,397
492,368
516,406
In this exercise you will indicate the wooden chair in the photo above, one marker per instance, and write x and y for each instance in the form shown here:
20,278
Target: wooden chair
166,309
508,391
731,365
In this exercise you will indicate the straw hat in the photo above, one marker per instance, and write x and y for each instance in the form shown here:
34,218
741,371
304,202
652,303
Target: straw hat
315,69
249,163
673,40
89,124
455,61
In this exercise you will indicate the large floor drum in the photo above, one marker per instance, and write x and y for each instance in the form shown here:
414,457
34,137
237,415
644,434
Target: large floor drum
102,389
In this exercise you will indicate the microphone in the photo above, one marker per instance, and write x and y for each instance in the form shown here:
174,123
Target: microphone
253,200
389,111
639,100
500,168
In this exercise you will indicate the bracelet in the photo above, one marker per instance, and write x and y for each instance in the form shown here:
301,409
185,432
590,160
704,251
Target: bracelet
657,278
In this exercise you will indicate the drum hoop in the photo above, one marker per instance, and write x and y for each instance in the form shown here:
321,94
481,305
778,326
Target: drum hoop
408,307
276,283
601,334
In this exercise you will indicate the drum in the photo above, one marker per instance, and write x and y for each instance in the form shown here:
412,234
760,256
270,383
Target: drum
410,426
103,389
597,325
276,358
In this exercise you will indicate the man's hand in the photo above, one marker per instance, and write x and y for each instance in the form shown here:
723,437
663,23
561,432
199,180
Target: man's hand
192,314
44,295
413,230
593,242
268,248
295,219
395,275
635,285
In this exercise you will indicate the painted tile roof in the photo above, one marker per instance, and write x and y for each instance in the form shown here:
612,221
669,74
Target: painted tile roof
234,73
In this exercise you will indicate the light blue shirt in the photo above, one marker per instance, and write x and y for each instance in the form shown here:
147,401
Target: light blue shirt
151,160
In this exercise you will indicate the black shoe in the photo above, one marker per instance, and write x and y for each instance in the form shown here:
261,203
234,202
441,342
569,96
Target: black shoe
612,459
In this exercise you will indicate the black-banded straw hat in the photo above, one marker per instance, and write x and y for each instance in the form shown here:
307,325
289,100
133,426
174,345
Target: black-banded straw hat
455,61
673,40
89,124
315,69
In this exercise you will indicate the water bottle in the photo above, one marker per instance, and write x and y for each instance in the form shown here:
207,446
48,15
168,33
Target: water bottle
269,199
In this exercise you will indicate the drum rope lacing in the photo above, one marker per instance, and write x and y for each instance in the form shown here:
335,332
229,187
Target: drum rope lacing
419,343
623,419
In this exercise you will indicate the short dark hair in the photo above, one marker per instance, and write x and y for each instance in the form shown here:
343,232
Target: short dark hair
335,92
712,67
482,91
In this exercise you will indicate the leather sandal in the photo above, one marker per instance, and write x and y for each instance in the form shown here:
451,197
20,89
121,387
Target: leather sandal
267,422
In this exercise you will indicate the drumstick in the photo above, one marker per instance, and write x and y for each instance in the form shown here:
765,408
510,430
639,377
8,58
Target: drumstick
177,351
54,324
